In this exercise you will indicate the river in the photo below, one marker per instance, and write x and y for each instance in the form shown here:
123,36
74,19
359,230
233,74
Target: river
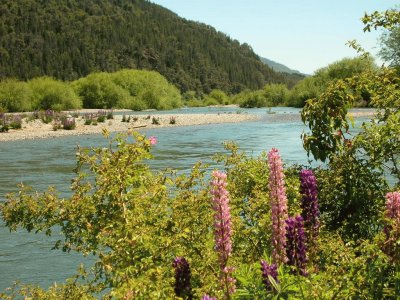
28,257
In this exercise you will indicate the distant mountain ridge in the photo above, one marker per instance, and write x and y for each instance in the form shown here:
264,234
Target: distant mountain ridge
279,67
69,39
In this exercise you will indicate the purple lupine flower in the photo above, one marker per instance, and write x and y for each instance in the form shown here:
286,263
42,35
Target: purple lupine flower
295,244
17,118
206,297
49,113
69,123
102,112
182,278
278,203
309,204
222,229
268,270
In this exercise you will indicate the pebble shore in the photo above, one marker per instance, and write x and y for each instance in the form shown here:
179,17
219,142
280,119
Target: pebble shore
36,129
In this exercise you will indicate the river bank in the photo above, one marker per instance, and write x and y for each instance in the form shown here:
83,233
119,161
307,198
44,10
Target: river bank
36,129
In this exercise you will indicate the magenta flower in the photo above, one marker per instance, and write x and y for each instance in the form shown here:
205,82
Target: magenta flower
295,245
309,204
268,270
222,229
153,140
278,203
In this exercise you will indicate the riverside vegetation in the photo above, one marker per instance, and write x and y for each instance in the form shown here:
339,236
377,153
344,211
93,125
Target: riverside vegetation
140,90
257,230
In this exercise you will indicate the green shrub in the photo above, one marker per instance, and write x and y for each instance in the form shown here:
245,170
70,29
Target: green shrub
148,89
15,96
16,122
49,93
276,94
98,90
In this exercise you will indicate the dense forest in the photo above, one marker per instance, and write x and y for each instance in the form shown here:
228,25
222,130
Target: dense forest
69,39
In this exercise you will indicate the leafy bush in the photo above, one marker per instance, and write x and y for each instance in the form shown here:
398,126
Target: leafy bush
16,122
147,90
15,96
97,90
276,94
132,89
48,93
218,97
250,99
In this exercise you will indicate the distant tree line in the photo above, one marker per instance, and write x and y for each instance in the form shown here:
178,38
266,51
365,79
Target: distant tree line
141,89
308,88
70,39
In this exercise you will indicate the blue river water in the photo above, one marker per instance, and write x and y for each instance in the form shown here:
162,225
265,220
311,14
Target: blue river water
27,257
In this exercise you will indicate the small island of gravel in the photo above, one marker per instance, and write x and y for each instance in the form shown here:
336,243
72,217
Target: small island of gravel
37,129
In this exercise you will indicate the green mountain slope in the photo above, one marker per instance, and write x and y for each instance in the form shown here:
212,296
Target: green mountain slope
68,39
279,67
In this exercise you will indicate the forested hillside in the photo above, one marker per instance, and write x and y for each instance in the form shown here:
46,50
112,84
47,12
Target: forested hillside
278,67
69,39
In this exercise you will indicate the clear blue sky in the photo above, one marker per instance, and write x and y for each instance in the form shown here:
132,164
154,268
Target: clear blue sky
302,34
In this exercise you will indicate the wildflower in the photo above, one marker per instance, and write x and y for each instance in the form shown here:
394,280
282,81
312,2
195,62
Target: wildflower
182,278
295,244
309,204
392,227
206,297
268,270
278,202
222,229
393,206
153,140
69,123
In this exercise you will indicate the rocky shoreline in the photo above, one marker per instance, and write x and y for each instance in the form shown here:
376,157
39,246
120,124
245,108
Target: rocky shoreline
36,129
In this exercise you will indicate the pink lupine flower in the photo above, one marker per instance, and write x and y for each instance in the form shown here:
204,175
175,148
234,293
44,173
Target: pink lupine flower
206,297
222,229
153,140
393,206
392,227
278,202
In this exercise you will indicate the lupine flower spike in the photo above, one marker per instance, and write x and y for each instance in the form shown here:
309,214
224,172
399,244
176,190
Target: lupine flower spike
309,205
392,229
295,245
222,230
268,270
278,203
182,278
